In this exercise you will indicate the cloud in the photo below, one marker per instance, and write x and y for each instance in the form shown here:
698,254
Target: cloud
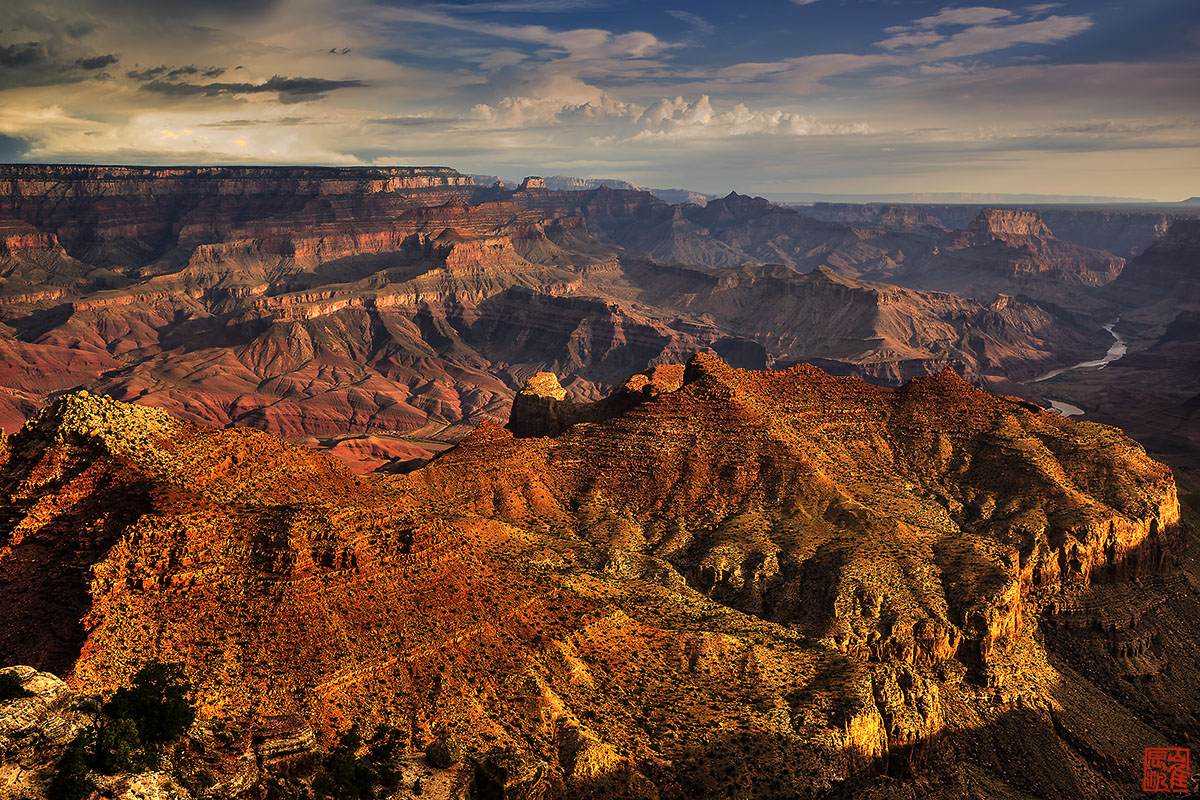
96,62
45,63
991,38
521,111
416,121
253,123
677,119
22,55
172,73
192,9
578,44
526,6
917,39
803,74
613,121
698,22
974,15
13,148
289,90
1109,127
912,50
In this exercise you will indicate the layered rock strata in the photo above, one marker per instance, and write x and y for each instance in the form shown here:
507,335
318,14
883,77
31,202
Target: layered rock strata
332,322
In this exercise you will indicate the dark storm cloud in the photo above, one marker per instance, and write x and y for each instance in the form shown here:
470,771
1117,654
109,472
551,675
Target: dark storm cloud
415,122
30,16
80,28
250,123
191,9
45,64
96,62
22,55
174,73
290,90
146,74
13,148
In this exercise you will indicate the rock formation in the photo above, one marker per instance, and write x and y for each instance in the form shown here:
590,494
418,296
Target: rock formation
1163,280
542,408
1013,252
369,312
1008,225
729,231
1003,251
892,217
129,216
34,729
1124,232
747,584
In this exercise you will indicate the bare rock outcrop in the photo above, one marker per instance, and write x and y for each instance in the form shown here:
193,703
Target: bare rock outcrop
1002,223
542,408
34,730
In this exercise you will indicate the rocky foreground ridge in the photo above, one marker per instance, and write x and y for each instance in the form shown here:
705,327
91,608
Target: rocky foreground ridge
736,584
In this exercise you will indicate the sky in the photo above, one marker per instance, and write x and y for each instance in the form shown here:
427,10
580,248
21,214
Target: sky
762,96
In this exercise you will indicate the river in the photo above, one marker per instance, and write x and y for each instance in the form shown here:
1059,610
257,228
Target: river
1116,351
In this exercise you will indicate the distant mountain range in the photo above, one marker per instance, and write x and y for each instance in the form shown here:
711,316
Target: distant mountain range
564,182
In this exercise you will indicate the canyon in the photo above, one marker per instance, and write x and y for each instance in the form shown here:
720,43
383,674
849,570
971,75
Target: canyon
588,494
380,314
1151,392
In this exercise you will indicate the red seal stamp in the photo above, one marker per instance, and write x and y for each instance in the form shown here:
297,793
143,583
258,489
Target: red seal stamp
1167,769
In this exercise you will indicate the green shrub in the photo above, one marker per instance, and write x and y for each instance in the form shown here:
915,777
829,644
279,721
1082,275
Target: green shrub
71,781
137,722
11,688
119,747
158,703
385,753
346,776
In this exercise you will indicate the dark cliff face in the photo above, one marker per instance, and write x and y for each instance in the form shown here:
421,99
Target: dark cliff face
1013,252
130,216
1168,268
100,173
893,217
1123,233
